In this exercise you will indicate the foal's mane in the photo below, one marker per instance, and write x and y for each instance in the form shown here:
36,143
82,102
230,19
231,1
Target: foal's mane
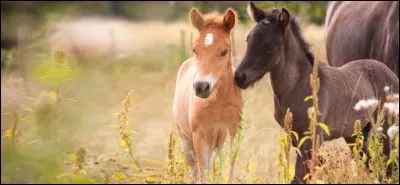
215,19
303,43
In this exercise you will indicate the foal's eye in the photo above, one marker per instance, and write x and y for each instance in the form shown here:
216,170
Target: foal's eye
224,52
194,51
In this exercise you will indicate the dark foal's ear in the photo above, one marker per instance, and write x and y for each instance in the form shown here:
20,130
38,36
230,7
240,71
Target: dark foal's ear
256,14
196,19
284,18
230,19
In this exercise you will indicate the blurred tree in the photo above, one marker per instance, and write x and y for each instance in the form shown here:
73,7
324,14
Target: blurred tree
116,8
36,14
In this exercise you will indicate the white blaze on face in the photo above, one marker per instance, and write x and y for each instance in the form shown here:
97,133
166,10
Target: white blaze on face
209,78
209,39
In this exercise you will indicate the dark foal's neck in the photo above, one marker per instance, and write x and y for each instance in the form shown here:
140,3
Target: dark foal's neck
295,65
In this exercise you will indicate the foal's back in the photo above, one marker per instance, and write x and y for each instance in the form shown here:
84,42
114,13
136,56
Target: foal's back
346,85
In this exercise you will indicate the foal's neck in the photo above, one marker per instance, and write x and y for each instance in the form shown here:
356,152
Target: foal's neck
226,84
294,68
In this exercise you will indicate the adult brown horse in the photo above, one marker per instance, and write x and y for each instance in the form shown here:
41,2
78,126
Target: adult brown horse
363,30
276,45
207,103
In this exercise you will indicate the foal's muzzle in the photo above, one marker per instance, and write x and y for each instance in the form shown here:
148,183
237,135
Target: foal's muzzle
240,79
202,89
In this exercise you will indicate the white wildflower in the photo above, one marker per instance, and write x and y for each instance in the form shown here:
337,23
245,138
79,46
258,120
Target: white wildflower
372,104
386,89
379,129
369,104
396,96
393,131
392,108
359,105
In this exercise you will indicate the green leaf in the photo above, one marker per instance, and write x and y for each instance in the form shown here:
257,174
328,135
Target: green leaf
355,150
7,133
320,153
364,158
303,140
351,144
310,112
297,151
324,127
135,167
151,179
306,176
71,157
53,95
118,176
282,140
122,143
319,182
388,162
307,98
82,180
295,135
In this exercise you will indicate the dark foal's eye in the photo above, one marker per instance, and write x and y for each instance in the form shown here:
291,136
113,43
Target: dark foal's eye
224,52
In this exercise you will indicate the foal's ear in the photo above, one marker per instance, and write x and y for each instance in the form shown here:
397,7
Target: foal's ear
196,19
284,18
230,19
256,14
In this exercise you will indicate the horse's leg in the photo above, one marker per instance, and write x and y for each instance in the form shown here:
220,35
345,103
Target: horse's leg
190,158
301,162
203,154
386,147
306,153
365,131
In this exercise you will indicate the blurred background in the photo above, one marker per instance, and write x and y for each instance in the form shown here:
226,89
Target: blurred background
66,68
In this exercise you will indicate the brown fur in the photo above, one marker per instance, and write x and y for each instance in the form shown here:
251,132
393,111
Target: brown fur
203,122
285,54
363,30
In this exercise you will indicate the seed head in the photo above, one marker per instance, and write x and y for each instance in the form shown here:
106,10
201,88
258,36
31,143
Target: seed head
379,129
386,89
393,131
369,104
392,108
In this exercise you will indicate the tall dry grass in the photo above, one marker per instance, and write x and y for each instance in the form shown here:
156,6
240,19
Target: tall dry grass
62,121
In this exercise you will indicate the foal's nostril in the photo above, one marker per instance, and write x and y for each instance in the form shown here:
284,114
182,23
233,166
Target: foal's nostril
201,87
240,77
206,87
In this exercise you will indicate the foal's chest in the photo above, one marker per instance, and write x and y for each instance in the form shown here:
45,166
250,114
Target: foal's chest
208,116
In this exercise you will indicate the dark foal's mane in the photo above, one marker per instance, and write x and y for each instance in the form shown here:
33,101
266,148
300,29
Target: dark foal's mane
303,43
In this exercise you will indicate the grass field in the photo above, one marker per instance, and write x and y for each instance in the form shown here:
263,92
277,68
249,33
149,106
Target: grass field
56,119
